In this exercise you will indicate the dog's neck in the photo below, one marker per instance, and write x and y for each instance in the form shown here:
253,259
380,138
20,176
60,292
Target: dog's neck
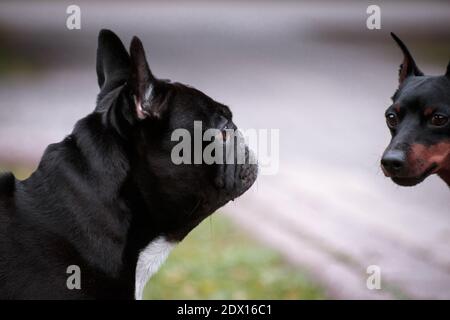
150,231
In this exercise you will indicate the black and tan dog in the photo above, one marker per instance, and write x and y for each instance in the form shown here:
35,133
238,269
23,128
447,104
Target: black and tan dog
108,199
419,123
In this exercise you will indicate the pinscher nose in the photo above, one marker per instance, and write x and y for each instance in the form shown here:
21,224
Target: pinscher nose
393,161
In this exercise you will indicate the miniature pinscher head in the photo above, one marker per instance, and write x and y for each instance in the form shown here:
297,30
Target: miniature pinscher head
419,121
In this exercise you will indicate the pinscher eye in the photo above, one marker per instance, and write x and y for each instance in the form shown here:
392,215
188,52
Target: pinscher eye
438,120
391,120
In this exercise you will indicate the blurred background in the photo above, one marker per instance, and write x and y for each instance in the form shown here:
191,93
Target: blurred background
311,69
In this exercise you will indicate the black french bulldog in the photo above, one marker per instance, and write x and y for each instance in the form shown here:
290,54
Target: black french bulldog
109,194
419,123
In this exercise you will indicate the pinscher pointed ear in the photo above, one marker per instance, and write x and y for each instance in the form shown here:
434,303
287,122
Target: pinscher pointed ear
113,61
143,83
408,68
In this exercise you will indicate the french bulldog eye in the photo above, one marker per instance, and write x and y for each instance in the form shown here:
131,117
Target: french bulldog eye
439,120
226,132
391,120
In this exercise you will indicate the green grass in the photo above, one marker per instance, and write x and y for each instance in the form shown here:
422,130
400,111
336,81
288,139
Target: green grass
217,261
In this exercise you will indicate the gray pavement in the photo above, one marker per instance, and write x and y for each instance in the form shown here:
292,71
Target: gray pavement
311,70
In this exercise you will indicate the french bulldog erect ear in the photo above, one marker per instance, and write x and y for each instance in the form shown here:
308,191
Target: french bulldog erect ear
143,83
113,61
408,67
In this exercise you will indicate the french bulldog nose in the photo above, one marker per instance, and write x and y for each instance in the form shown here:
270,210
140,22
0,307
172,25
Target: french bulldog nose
393,161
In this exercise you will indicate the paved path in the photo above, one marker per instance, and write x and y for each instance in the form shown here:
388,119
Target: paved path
310,70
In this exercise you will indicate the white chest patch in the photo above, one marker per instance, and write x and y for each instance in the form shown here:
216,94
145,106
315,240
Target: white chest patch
150,260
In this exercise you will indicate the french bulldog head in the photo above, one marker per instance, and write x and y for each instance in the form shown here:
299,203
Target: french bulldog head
145,112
